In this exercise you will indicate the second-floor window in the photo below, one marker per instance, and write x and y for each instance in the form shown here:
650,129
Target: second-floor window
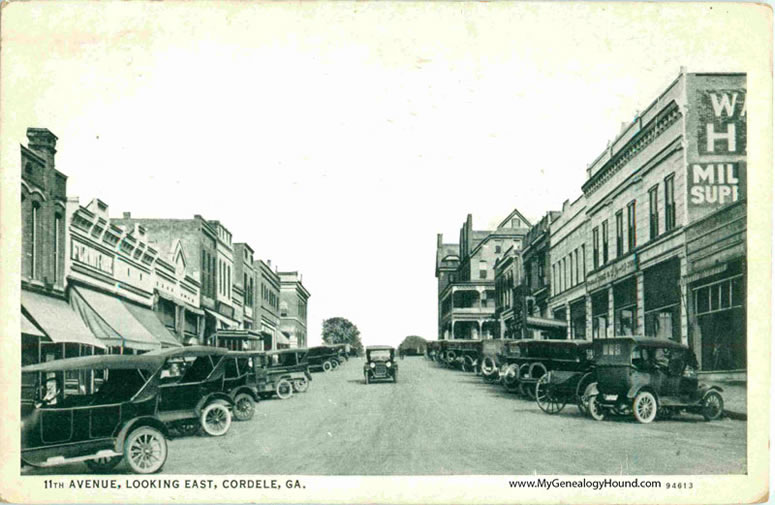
653,213
631,236
619,234
595,248
57,244
605,241
669,203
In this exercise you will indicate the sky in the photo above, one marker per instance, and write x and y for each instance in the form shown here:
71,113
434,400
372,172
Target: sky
338,139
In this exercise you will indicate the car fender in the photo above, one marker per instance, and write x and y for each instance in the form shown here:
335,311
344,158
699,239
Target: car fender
704,389
213,397
592,389
136,423
244,389
634,390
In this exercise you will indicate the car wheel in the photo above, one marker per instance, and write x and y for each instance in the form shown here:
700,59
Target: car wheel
489,366
244,407
644,407
366,377
284,389
712,406
547,396
594,409
395,376
301,385
582,402
103,465
511,377
216,419
145,450
334,364
327,366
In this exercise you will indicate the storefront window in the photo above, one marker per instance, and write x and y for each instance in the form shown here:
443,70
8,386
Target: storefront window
625,307
578,320
626,321
600,314
662,297
720,311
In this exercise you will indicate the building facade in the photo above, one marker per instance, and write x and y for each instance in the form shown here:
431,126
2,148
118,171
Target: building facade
466,280
508,275
269,305
293,309
245,274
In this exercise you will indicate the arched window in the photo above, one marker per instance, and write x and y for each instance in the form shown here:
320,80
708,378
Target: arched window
34,239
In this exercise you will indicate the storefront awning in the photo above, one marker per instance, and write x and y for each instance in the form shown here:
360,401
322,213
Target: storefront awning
540,322
151,321
228,323
30,329
58,321
111,321
195,310
282,339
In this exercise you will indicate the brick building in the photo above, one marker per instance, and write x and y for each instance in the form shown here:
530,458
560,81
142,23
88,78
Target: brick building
269,305
293,309
508,275
466,277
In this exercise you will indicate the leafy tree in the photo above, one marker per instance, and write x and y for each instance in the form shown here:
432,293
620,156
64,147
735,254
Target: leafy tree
339,330
412,344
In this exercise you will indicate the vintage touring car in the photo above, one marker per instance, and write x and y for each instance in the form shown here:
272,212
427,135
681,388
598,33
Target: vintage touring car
380,364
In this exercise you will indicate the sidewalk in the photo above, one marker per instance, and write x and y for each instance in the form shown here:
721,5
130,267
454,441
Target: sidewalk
735,399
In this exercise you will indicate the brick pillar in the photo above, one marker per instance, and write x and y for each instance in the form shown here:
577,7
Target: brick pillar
588,315
685,307
610,332
568,335
640,325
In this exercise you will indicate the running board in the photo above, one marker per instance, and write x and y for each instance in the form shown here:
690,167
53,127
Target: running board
61,460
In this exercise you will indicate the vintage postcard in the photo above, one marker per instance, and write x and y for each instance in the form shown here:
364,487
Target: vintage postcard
219,218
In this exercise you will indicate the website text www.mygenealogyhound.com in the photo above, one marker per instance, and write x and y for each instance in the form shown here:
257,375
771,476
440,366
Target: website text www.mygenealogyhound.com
595,484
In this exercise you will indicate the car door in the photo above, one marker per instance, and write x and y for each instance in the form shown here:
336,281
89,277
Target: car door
182,396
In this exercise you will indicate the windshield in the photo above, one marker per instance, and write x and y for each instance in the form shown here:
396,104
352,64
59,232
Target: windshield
380,355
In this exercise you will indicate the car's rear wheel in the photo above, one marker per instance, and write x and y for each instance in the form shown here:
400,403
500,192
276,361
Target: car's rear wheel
327,366
102,465
301,385
712,406
582,402
244,407
145,450
284,389
216,419
334,364
547,396
644,407
594,409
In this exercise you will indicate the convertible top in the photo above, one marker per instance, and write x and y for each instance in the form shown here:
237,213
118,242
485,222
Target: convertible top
192,350
645,342
380,348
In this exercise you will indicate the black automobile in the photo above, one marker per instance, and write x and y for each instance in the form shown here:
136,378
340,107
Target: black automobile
646,377
113,417
323,357
380,364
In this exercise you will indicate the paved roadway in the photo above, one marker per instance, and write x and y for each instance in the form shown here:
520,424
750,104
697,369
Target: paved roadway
440,421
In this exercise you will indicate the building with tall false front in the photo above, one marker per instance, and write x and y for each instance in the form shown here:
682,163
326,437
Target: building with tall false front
268,306
666,222
50,329
207,245
567,253
466,277
293,309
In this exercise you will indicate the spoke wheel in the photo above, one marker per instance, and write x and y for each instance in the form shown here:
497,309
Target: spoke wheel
644,407
216,419
284,389
366,377
244,407
712,406
334,364
582,402
146,450
102,465
547,396
301,385
594,409
327,367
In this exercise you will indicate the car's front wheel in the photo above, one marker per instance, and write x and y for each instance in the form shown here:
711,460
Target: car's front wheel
327,366
103,465
145,450
366,377
395,375
284,389
334,364
644,407
712,406
216,419
300,385
594,409
244,407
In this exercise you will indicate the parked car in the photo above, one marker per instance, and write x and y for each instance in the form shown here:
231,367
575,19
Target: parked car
114,417
490,359
323,357
646,377
253,375
191,390
463,354
380,364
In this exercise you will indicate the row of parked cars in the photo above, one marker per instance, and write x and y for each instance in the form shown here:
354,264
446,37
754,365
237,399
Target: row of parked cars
103,409
638,376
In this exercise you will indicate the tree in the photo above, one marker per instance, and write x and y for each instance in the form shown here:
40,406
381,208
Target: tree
413,345
338,330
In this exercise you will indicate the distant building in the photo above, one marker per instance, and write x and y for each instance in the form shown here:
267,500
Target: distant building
293,309
466,277
268,306
508,275
245,276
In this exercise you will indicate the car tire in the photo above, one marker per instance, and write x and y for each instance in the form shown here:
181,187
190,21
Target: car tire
712,406
645,407
547,397
395,375
244,407
145,450
595,410
334,364
581,402
284,389
366,377
103,465
215,419
327,367
301,385
489,367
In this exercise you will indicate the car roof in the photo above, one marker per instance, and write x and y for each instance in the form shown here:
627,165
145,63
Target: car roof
191,350
379,348
647,342
100,361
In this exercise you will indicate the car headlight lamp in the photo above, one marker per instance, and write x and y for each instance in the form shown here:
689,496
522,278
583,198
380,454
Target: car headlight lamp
388,364
373,365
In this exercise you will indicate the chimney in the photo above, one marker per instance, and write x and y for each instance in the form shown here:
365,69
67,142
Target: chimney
43,142
127,215
439,240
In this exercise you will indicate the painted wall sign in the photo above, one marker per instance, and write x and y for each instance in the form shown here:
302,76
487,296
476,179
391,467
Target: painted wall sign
716,184
88,255
615,271
722,122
